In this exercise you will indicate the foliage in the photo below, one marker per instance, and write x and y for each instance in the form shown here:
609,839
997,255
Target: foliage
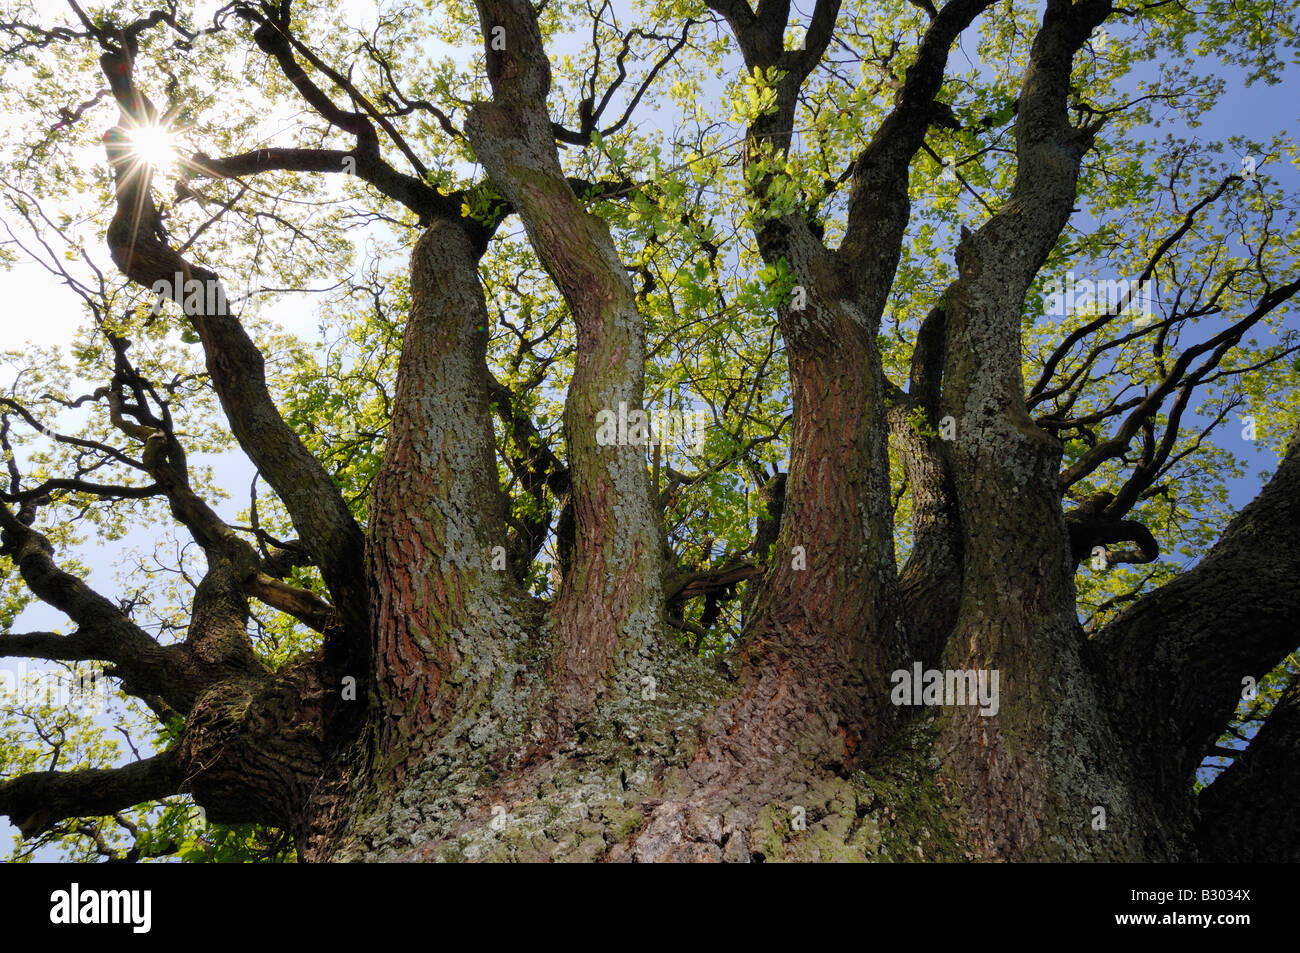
683,216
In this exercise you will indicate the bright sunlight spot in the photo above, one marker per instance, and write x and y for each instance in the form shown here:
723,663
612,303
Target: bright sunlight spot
154,145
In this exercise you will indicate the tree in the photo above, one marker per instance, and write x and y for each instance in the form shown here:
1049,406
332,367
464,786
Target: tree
777,492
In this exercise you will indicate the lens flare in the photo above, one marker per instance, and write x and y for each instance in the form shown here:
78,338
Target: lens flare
154,145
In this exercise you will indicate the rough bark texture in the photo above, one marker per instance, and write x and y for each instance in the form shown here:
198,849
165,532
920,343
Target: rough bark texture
1245,816
441,613
1175,662
610,607
450,716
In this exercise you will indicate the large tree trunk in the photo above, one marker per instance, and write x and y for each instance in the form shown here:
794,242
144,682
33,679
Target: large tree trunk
498,733
801,755
450,716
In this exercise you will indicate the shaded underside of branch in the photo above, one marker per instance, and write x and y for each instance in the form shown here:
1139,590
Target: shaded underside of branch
40,800
1176,659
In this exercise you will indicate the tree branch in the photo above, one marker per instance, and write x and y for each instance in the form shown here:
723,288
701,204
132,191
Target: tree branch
105,632
1249,814
237,370
619,547
37,801
1177,657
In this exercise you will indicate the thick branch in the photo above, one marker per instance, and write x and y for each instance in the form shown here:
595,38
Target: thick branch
1249,814
274,38
612,599
237,370
879,206
930,581
1176,659
36,802
104,631
164,460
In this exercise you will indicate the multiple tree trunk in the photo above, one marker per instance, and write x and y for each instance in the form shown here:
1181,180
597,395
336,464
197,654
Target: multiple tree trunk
451,716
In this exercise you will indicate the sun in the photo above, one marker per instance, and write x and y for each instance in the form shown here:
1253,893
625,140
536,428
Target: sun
154,145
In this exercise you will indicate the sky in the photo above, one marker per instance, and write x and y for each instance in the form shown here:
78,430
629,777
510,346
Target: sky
27,290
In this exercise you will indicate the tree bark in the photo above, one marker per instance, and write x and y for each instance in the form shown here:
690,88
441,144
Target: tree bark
450,716
609,612
444,618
